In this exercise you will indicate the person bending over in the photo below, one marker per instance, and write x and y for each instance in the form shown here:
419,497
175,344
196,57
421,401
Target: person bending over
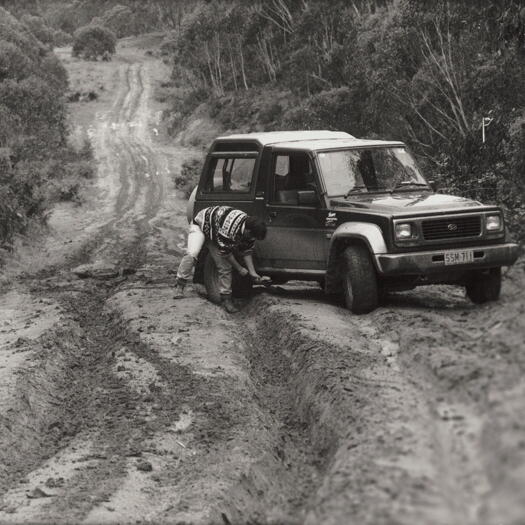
225,230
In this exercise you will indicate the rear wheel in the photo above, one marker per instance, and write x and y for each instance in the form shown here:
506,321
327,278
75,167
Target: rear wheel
241,286
359,278
211,279
484,286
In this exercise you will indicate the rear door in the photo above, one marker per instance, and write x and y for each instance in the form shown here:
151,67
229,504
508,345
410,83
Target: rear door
296,238
228,180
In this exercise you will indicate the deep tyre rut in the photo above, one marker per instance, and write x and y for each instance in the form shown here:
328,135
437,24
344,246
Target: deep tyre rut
71,392
40,412
374,435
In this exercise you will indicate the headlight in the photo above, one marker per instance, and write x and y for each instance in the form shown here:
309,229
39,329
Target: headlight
493,223
404,231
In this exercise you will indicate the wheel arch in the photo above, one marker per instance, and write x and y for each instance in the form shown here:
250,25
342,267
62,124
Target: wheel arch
347,234
366,232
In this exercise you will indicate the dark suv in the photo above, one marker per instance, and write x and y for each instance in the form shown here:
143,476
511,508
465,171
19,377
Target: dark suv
355,215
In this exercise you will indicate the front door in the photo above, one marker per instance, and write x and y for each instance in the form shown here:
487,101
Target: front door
297,235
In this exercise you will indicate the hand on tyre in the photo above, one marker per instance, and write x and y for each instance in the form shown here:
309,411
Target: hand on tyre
257,279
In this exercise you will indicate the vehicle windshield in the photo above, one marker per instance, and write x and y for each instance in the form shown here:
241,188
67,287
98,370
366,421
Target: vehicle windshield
362,170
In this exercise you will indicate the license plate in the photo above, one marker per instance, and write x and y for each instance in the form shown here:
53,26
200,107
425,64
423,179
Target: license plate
459,257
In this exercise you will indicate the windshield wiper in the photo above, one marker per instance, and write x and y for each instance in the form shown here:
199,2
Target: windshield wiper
355,189
406,183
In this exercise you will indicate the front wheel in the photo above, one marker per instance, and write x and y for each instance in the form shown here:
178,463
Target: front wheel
242,287
485,286
359,278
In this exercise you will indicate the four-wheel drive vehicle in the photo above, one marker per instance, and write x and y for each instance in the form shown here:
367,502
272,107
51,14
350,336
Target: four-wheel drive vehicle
355,215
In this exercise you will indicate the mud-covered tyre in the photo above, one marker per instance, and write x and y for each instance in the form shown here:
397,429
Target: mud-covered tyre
382,296
483,287
241,286
211,279
359,279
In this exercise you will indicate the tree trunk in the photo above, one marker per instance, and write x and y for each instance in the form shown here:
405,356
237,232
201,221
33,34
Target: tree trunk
243,71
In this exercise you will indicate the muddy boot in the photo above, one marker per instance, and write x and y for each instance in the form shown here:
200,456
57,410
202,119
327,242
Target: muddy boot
227,304
179,291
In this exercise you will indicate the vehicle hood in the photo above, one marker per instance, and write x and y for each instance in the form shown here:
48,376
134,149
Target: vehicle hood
404,203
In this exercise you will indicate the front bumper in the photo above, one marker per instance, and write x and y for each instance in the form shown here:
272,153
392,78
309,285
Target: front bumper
433,262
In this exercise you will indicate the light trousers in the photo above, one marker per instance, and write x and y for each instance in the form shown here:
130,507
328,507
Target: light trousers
196,241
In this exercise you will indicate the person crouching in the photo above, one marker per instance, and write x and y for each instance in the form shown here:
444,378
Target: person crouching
225,230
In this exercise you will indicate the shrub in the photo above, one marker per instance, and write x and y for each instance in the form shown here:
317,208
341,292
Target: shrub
82,169
169,44
13,62
15,32
54,72
29,189
61,38
191,100
270,113
37,25
36,164
64,18
189,176
331,109
92,42
9,127
118,19
41,113
10,218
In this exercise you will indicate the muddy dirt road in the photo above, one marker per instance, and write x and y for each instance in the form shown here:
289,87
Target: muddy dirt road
120,404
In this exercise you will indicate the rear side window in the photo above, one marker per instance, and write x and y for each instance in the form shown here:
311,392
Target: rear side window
230,175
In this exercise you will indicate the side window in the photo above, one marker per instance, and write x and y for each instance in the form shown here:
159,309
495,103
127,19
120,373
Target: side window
241,174
292,173
281,170
230,175
282,165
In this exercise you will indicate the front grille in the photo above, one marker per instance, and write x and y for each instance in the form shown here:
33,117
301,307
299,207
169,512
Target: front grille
451,228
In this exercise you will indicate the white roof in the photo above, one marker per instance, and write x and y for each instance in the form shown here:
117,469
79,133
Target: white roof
274,137
317,145
309,140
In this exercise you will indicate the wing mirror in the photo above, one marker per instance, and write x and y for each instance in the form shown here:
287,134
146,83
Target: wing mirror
307,197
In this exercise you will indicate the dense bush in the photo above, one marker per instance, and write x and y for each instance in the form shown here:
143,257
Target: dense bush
36,162
46,34
39,28
330,109
123,17
189,176
119,19
13,63
12,31
427,73
93,42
